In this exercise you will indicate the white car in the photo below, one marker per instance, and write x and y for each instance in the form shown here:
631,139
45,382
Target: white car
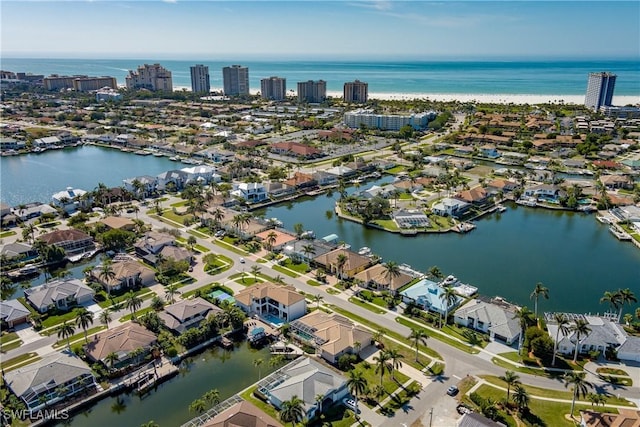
241,260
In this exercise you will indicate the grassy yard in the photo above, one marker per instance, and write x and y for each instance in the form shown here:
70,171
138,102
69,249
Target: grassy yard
229,246
12,345
7,233
179,204
79,337
138,314
285,271
268,409
16,362
300,267
396,169
8,336
180,219
452,342
144,294
313,283
611,371
333,291
387,224
203,290
373,378
364,304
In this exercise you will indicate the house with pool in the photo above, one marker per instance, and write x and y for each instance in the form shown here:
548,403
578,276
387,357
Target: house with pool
308,379
275,304
427,295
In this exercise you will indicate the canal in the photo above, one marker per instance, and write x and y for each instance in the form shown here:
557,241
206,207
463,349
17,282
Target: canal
572,254
228,371
36,177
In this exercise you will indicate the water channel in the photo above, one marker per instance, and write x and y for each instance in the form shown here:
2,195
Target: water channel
168,404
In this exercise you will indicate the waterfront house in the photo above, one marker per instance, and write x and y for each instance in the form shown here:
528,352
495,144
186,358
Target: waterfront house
242,414
32,210
61,294
201,174
118,223
324,178
450,207
410,218
18,252
300,180
47,142
354,263
546,192
385,191
475,196
7,144
152,243
629,350
605,334
74,242
493,317
148,185
341,171
252,192
216,155
499,184
187,314
376,277
428,296
612,182
71,200
273,303
128,274
305,250
13,313
306,378
131,342
489,151
331,335
173,178
52,379
474,419
281,238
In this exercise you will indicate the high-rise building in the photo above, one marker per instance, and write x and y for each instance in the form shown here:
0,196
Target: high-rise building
356,91
200,79
312,92
235,80
78,83
273,88
153,77
600,90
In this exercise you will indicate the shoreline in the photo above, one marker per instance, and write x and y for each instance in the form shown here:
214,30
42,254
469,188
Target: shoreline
482,98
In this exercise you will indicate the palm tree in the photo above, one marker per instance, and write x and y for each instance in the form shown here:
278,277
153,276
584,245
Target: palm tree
107,274
84,318
318,399
292,410
563,328
382,364
435,272
580,386
525,318
521,398
212,397
341,260
257,362
218,216
391,271
133,303
198,406
580,328
271,239
170,292
308,250
105,317
538,291
612,298
419,336
511,379
357,386
111,359
255,270
449,297
395,356
150,424
318,299
625,296
66,331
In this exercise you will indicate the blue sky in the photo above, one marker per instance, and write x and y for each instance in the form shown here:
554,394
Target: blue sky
189,29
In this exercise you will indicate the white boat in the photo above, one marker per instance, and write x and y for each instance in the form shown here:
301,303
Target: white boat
603,219
501,208
365,250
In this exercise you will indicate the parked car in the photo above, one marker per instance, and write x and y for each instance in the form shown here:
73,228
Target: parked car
350,403
219,234
241,260
452,391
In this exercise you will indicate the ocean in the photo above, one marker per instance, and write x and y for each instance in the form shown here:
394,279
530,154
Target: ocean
519,77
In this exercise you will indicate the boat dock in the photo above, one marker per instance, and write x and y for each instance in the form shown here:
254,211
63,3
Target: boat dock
620,234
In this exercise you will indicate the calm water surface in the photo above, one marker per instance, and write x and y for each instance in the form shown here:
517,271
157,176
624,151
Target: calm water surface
168,405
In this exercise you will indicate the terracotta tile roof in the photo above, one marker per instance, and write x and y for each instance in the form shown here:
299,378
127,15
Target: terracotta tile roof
281,238
378,275
68,235
243,414
354,261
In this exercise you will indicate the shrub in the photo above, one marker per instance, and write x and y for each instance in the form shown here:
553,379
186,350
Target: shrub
171,352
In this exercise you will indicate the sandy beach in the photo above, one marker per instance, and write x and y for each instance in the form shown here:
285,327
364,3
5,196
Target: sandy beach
485,98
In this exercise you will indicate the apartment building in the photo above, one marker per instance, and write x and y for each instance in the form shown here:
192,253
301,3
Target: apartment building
273,88
235,80
357,92
150,76
312,91
200,80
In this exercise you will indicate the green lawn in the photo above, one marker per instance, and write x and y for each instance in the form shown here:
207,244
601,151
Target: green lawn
611,371
179,204
138,314
285,271
7,233
373,378
452,342
230,247
79,337
401,398
313,283
203,290
333,291
52,321
168,214
364,304
396,170
300,267
265,407
8,336
387,224
144,294
10,346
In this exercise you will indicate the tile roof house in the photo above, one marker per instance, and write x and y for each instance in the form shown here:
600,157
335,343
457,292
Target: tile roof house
267,300
242,414
281,238
122,340
12,313
18,250
475,195
187,314
354,263
605,334
300,180
118,223
450,207
128,274
491,318
52,379
177,253
331,334
300,249
377,277
624,418
295,149
630,349
71,240
60,294
307,378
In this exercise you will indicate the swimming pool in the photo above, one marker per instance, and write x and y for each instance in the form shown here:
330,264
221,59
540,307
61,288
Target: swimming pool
273,320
